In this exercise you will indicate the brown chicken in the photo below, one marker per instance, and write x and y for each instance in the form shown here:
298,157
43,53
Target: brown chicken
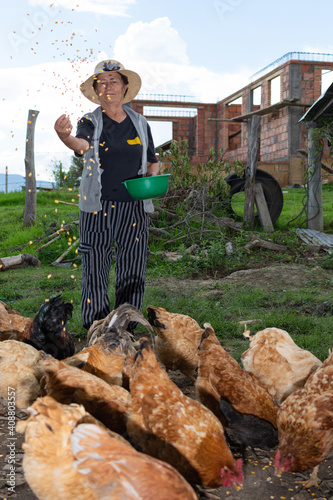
305,424
12,323
177,429
223,386
116,470
47,331
69,454
48,458
111,350
278,362
111,366
21,369
68,384
178,338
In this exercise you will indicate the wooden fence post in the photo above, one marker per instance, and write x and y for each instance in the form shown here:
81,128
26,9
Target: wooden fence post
30,208
315,217
250,169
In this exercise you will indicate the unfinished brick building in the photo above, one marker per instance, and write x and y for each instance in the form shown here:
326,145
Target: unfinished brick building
280,93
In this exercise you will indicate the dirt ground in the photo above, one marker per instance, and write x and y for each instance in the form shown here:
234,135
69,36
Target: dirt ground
260,481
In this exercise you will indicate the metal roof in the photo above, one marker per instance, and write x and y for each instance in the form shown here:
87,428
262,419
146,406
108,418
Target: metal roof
322,108
313,237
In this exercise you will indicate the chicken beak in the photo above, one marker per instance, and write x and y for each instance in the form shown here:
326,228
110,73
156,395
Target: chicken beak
279,471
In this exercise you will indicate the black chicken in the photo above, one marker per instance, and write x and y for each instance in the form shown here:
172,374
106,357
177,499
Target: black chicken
248,430
48,331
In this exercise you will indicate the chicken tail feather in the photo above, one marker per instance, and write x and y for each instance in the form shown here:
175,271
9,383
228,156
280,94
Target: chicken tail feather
125,314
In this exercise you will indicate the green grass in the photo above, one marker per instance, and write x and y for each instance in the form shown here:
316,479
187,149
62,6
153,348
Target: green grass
293,215
188,286
222,305
51,216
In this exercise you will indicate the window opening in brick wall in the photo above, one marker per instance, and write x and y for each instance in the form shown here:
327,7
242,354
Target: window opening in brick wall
235,129
326,79
256,96
275,90
169,111
161,132
239,100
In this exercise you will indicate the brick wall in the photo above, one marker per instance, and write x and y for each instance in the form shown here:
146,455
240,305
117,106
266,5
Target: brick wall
281,134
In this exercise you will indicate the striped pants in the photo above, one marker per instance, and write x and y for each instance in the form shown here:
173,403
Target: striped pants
126,225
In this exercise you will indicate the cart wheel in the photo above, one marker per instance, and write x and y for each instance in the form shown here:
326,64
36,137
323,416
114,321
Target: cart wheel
272,191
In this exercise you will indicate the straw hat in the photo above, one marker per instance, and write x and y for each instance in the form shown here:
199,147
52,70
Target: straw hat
134,81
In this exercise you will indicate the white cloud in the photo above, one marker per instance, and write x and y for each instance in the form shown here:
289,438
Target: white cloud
150,42
112,8
158,53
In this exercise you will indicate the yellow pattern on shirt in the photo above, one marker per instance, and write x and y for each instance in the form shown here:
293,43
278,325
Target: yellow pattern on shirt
134,141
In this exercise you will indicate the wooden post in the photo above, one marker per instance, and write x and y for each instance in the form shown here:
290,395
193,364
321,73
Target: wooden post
262,208
250,169
30,208
315,217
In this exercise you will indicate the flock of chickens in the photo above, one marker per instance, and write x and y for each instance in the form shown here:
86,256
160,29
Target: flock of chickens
108,422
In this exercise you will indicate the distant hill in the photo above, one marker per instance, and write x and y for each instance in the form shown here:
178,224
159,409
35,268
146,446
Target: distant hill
16,182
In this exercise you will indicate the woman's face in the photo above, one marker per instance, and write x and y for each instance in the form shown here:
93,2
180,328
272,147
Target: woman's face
110,88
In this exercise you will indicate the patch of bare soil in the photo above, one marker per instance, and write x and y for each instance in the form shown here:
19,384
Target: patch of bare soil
260,481
274,277
281,277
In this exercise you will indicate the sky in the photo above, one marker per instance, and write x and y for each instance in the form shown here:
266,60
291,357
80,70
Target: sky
202,49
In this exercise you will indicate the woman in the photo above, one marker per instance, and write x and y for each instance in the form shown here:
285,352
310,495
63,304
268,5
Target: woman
117,144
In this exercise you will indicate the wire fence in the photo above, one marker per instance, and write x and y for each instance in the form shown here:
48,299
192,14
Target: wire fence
7,187
19,185
11,183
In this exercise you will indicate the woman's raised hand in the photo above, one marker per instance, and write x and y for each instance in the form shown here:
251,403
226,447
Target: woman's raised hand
63,127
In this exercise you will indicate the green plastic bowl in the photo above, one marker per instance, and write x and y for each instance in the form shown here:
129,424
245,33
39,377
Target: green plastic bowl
145,188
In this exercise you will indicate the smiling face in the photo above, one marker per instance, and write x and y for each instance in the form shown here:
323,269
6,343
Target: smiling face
110,88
